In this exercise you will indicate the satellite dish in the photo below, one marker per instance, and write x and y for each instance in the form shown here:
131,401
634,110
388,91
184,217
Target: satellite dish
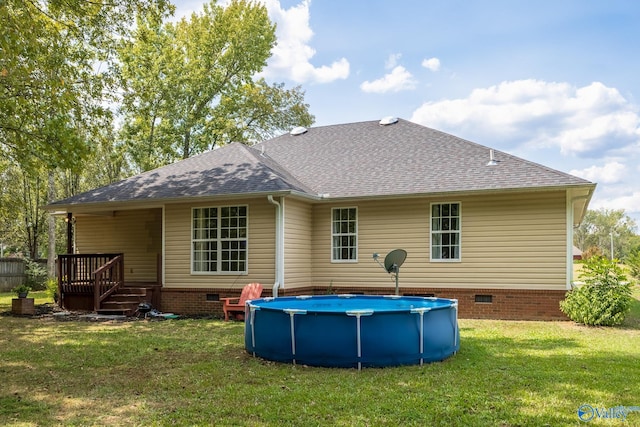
392,263
394,260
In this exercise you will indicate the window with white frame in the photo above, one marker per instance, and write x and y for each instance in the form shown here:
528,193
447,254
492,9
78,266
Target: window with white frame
445,231
219,240
344,234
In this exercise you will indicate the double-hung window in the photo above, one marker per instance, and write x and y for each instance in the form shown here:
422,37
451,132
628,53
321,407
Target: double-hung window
219,240
344,234
445,232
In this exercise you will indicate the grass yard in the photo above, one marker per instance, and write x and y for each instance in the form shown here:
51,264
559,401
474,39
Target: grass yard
195,372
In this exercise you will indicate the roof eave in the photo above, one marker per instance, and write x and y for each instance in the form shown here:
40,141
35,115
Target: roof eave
456,193
89,207
63,209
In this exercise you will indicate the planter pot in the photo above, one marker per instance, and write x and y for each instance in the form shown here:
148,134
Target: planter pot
23,294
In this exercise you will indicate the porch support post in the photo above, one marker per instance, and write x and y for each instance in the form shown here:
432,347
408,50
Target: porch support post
69,232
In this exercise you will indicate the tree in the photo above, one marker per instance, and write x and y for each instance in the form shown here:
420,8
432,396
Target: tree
259,112
52,88
24,220
189,86
600,227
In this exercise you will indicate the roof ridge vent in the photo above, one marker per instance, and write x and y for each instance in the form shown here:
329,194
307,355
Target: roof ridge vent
298,130
388,120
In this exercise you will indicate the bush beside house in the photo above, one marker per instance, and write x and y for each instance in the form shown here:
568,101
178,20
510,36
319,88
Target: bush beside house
605,297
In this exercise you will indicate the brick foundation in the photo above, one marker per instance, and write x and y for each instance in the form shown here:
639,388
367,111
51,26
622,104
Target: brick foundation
194,301
508,304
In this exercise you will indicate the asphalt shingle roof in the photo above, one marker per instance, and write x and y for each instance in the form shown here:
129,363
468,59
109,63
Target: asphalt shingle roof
362,159
368,159
230,170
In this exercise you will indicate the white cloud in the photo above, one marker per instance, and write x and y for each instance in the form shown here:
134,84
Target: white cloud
610,173
432,64
630,202
397,80
392,61
292,55
586,121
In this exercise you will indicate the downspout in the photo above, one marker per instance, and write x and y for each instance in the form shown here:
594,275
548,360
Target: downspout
570,227
279,279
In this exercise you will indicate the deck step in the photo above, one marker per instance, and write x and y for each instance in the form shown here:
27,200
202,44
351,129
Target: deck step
127,298
132,291
124,301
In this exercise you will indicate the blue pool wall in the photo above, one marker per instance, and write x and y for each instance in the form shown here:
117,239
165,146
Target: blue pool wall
324,330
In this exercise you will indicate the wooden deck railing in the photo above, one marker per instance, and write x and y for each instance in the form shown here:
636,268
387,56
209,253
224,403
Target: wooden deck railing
97,274
107,279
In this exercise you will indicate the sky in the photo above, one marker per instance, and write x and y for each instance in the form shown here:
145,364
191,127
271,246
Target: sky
554,82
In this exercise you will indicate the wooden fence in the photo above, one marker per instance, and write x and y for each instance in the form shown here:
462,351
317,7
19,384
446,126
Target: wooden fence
12,273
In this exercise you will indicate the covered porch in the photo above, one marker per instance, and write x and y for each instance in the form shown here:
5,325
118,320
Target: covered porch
113,261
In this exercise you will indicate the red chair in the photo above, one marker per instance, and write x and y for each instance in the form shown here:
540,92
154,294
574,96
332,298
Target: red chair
236,305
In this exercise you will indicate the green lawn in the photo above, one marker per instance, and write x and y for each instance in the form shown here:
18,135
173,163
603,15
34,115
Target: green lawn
195,372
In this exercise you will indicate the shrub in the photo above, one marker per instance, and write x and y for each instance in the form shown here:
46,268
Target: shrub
52,289
36,275
21,289
605,297
591,252
633,262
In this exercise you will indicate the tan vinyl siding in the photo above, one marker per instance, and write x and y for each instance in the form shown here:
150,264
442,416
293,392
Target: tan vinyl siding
261,247
509,241
136,233
297,244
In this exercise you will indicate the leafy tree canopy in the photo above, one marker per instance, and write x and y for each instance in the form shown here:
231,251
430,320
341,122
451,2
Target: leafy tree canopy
599,226
189,86
52,85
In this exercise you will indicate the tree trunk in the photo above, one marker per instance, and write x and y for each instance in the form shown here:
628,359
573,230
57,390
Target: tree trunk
186,144
51,223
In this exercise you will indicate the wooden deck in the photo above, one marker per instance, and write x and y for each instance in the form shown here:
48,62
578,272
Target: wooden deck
96,282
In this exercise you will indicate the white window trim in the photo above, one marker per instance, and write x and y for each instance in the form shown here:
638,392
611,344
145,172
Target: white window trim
217,273
344,261
446,260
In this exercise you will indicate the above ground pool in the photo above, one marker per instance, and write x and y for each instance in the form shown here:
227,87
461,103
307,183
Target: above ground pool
352,331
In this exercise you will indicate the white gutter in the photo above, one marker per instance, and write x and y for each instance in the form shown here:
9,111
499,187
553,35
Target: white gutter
279,280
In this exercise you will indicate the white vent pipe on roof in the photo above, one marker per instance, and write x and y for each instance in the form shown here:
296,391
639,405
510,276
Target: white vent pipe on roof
492,158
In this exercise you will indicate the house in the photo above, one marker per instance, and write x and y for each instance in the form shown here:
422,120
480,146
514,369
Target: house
304,212
577,253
